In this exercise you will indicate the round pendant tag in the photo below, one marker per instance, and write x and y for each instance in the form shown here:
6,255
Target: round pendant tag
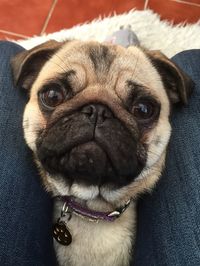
62,234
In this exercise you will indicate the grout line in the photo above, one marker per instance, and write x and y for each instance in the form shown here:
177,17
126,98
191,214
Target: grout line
146,4
14,34
187,3
48,17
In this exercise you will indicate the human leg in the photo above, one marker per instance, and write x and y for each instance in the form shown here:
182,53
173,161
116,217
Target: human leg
168,219
25,209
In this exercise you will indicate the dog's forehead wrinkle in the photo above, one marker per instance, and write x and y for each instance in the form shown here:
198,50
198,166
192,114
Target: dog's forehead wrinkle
101,57
103,64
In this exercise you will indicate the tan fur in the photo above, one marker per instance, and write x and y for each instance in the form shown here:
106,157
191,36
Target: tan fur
104,243
94,244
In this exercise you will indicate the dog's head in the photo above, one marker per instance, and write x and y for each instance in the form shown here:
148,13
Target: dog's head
97,118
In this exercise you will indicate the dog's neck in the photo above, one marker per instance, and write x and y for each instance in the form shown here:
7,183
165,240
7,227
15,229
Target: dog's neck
74,206
91,243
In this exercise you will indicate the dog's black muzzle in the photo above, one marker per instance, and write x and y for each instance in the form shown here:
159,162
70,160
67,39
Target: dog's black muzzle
91,146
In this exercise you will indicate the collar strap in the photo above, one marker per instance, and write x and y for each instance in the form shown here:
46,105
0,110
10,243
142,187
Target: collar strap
71,206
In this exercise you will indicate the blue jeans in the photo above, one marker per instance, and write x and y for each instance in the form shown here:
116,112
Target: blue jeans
25,209
169,217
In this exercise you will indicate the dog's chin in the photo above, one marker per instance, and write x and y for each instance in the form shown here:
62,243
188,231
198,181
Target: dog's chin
105,193
89,168
91,171
110,193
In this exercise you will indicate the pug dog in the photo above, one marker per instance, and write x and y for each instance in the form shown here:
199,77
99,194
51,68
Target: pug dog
97,121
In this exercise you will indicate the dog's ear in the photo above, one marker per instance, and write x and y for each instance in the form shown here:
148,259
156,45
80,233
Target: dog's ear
27,64
178,84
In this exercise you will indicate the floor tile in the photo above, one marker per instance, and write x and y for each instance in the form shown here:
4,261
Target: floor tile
175,11
28,17
4,36
24,17
72,12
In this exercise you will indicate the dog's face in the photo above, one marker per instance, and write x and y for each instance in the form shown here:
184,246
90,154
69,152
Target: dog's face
97,118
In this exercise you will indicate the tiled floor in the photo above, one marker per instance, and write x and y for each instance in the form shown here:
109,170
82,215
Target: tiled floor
19,18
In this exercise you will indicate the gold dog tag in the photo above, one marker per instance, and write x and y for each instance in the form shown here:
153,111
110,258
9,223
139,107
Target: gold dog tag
61,233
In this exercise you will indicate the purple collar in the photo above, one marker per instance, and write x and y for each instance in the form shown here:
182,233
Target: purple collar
71,206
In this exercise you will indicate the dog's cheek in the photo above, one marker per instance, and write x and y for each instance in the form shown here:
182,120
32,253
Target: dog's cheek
33,124
55,184
157,142
145,182
157,138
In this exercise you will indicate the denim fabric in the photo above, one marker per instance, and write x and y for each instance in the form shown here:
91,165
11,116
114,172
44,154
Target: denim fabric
25,209
169,218
168,226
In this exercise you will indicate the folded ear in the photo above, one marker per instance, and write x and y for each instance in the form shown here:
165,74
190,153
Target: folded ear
178,84
27,64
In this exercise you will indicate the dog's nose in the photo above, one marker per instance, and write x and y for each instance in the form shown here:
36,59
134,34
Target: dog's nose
97,113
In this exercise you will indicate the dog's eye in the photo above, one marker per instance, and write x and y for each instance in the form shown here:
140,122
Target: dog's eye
145,110
52,96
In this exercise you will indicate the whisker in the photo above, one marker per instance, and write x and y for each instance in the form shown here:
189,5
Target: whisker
62,61
51,61
64,66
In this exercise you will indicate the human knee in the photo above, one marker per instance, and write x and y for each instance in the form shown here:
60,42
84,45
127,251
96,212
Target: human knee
189,61
9,48
7,51
193,54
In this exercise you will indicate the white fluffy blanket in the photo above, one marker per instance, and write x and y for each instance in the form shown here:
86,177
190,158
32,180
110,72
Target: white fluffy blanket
151,31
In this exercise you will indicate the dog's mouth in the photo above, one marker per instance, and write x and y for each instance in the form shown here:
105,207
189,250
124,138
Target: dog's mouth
85,162
91,154
90,164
